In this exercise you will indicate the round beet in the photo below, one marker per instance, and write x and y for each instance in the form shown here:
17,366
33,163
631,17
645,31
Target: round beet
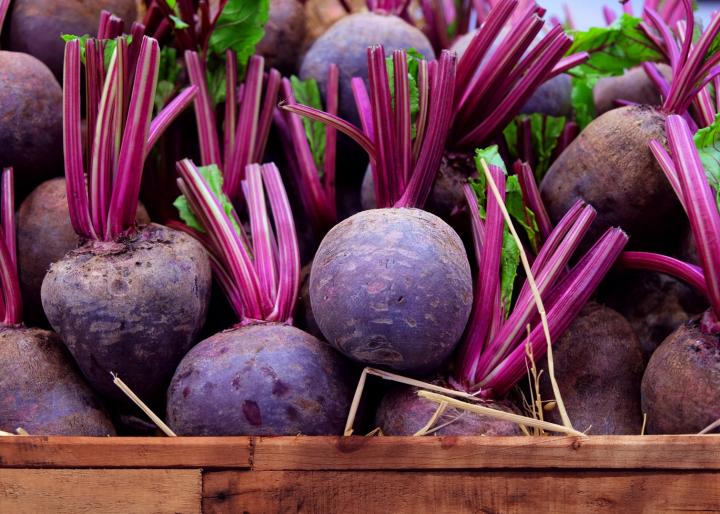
134,307
284,36
41,390
392,288
30,120
552,98
598,367
681,383
320,15
610,166
35,26
304,317
262,379
403,413
44,236
345,44
634,86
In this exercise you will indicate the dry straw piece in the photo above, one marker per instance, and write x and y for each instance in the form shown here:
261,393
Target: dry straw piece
137,401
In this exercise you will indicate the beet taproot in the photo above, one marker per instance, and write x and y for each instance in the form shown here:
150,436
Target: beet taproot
134,307
35,26
262,379
282,43
403,413
681,383
598,367
41,389
30,120
392,288
634,86
45,211
344,44
610,166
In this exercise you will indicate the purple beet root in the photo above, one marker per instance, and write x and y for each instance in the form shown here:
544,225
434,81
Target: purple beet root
345,44
41,389
30,121
134,307
403,412
304,317
35,26
392,288
45,212
634,86
599,366
681,383
262,379
284,36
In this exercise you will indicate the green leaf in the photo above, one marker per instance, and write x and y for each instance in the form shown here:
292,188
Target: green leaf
491,156
178,23
110,45
509,263
545,132
214,178
413,57
707,141
171,3
240,27
216,78
613,50
307,92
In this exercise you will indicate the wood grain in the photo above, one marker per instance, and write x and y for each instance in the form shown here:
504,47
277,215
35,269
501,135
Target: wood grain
460,492
125,452
356,453
108,491
360,453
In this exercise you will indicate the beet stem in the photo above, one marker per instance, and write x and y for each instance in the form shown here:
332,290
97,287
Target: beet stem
11,299
204,111
169,114
646,261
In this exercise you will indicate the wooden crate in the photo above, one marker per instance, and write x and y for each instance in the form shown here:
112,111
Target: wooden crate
359,475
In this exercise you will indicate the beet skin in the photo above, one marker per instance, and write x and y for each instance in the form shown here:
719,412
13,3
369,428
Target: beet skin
30,121
284,36
44,236
35,26
403,412
134,307
262,379
41,389
346,43
392,288
610,166
598,367
681,385
634,86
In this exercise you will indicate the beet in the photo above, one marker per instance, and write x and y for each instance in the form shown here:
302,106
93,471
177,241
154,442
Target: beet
263,379
30,120
284,36
598,367
681,383
133,306
320,15
45,235
344,44
41,389
304,317
403,413
35,26
654,304
611,167
552,98
392,288
634,86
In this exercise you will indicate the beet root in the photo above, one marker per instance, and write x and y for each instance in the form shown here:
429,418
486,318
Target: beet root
680,388
134,307
598,367
35,26
41,389
610,166
263,379
304,317
402,412
345,44
320,15
284,36
634,86
45,235
392,288
30,121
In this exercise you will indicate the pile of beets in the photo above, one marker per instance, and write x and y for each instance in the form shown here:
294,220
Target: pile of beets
235,206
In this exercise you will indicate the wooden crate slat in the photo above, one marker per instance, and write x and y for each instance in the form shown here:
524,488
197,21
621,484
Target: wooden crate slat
125,452
435,492
598,452
116,491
